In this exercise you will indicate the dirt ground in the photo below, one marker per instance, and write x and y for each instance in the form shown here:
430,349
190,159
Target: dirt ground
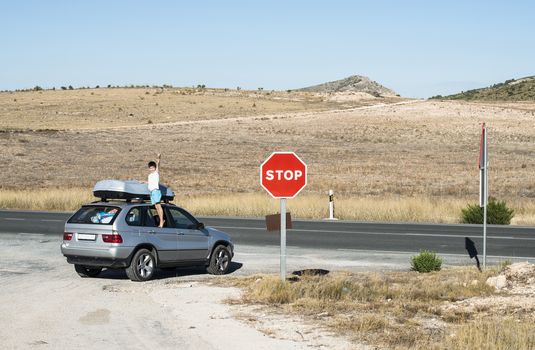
104,107
45,304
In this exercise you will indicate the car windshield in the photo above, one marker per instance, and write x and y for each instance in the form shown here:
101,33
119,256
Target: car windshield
98,215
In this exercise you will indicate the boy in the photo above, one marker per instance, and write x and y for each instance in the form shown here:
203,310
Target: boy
154,187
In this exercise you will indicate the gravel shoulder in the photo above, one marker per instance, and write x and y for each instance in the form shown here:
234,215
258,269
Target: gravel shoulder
46,305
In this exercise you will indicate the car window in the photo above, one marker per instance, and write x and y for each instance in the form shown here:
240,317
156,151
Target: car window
133,218
98,215
181,219
153,220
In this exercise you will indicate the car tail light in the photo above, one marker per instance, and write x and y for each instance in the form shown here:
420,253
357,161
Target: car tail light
67,236
115,238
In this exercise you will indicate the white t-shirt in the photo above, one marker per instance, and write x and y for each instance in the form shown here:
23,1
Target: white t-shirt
154,180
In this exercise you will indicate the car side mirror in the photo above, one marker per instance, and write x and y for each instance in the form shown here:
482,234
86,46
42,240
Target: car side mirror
200,226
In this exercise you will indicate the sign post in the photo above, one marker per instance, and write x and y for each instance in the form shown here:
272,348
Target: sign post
484,186
283,175
283,240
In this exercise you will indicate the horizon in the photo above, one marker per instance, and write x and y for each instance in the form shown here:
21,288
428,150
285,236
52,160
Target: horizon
416,49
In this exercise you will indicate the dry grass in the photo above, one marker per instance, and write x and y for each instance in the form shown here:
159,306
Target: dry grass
400,310
411,162
494,334
308,206
118,107
67,199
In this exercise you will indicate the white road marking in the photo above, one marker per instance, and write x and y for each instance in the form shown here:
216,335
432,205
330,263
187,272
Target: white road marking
384,233
22,219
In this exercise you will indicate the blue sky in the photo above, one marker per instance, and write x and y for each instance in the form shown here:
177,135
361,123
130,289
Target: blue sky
417,48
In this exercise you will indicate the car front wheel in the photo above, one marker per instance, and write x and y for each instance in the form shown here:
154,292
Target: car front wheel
219,261
142,266
84,271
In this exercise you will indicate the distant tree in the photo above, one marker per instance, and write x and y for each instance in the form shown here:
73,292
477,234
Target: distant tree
260,89
238,88
37,88
63,88
97,87
70,87
109,86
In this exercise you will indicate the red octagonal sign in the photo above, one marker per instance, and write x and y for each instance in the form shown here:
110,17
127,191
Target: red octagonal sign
283,174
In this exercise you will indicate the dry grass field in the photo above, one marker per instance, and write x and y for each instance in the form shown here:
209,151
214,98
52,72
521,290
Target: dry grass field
450,309
407,161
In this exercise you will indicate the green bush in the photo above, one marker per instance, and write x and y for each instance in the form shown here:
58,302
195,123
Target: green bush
426,261
497,213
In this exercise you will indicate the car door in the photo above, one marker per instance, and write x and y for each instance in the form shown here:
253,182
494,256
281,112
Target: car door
164,239
192,241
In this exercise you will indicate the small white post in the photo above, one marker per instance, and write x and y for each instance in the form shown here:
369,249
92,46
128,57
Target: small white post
331,206
283,239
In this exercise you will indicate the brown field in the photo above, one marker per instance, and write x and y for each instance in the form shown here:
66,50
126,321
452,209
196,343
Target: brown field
419,151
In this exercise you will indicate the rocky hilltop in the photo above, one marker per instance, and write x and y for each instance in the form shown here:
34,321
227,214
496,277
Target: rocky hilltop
354,83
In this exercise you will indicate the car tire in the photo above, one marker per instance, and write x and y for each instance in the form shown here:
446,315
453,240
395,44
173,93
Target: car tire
84,271
142,266
219,261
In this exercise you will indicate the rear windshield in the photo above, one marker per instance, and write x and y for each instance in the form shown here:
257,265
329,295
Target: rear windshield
98,215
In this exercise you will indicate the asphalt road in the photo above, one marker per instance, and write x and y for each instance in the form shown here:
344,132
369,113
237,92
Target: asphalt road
503,241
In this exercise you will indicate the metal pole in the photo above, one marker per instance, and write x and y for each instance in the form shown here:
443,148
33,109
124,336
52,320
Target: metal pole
486,186
485,232
283,239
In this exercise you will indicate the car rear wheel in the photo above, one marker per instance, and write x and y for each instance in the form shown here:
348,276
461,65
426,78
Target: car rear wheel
142,266
84,271
219,261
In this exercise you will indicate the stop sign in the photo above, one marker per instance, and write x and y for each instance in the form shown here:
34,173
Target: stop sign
283,174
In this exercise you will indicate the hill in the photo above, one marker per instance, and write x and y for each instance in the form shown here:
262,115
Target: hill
354,83
522,89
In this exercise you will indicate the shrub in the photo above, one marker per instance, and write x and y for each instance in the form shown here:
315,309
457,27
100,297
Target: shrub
426,261
70,87
497,213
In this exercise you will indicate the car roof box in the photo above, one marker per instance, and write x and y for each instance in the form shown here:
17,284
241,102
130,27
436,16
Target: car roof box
128,190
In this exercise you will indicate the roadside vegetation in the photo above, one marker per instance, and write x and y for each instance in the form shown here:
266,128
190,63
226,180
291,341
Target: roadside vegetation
395,310
498,213
426,261
305,206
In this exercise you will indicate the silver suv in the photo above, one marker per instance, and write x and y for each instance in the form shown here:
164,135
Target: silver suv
126,235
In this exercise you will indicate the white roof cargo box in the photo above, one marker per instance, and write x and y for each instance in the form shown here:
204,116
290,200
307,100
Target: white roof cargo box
128,190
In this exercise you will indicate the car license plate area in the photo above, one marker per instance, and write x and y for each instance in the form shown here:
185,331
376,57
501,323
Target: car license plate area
86,237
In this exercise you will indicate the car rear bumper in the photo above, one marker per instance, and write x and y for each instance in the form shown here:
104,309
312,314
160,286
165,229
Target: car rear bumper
97,262
113,256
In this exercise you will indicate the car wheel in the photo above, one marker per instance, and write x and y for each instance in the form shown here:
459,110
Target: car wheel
219,261
142,266
84,271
